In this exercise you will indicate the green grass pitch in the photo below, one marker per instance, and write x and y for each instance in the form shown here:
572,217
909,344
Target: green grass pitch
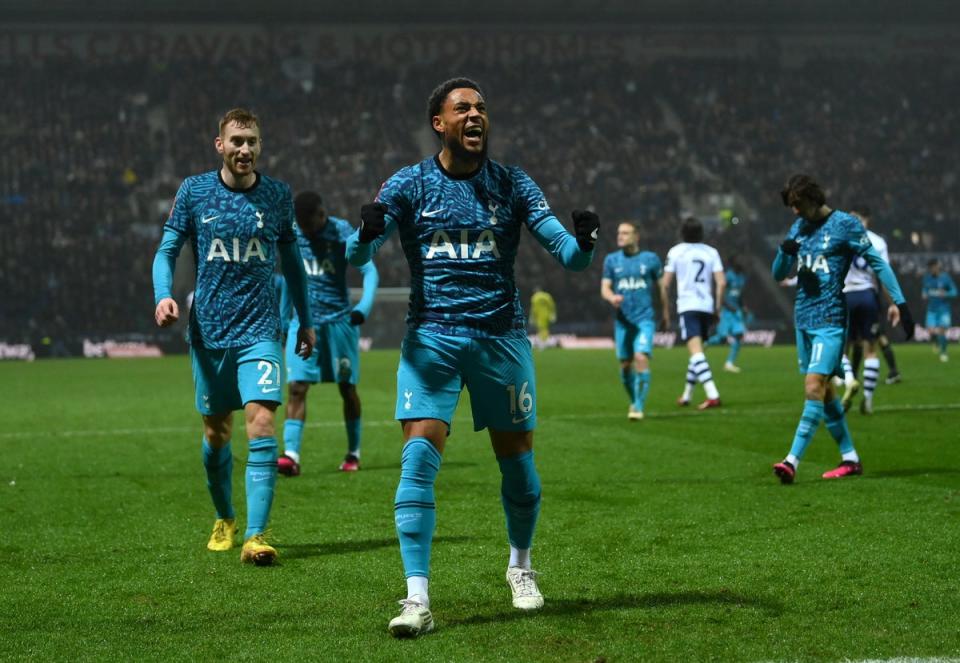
663,540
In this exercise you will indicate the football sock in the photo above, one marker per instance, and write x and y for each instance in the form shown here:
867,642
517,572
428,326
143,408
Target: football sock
642,388
734,350
871,373
261,478
520,494
942,342
691,381
837,425
415,511
219,466
809,423
520,558
629,383
848,375
353,436
890,358
417,586
292,437
702,370
857,357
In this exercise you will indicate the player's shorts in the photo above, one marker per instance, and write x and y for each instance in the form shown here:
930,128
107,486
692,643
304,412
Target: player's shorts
939,319
820,350
864,315
695,323
335,357
631,339
731,323
227,379
498,373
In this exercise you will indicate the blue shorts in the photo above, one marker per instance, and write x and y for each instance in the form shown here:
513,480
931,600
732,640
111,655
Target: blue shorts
632,339
695,323
731,323
227,379
820,350
335,357
498,373
939,319
863,312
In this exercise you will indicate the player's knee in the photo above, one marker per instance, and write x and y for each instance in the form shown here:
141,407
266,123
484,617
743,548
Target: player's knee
297,390
259,421
641,361
815,387
217,430
347,391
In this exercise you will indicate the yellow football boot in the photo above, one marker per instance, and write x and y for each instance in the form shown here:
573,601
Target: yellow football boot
224,531
258,551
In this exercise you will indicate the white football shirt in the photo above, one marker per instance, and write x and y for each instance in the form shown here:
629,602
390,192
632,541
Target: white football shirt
860,277
694,265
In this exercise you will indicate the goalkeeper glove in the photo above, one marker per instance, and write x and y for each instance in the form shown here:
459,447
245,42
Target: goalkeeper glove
586,228
373,222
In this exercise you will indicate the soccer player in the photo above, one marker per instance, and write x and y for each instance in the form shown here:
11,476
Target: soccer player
543,312
732,326
237,222
700,287
938,290
821,243
336,356
863,309
629,278
460,216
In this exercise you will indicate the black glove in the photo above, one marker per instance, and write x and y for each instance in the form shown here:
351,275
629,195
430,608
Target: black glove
373,222
586,227
357,318
790,246
906,320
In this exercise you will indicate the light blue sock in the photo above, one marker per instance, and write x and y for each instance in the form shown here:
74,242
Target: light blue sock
837,425
629,384
734,350
716,339
520,494
353,436
642,388
261,478
219,466
809,423
415,511
292,435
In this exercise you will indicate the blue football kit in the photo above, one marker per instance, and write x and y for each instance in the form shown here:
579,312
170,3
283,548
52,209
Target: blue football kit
634,277
938,290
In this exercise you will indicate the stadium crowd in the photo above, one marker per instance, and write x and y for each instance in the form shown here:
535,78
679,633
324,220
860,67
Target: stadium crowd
92,169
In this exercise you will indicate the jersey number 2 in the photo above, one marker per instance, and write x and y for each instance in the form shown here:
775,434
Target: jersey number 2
700,267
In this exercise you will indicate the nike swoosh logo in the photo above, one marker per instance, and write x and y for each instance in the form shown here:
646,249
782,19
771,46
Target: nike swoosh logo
595,233
270,391
517,421
208,219
432,213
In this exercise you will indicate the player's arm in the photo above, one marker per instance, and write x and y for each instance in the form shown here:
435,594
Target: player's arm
569,250
379,219
286,306
886,277
573,251
720,285
371,279
664,283
786,258
164,263
291,265
609,296
951,290
176,230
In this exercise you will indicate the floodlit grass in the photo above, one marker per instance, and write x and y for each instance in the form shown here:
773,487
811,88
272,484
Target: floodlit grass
667,539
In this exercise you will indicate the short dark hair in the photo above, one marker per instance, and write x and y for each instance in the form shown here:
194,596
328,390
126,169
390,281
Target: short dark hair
861,210
802,187
439,95
305,204
933,262
691,230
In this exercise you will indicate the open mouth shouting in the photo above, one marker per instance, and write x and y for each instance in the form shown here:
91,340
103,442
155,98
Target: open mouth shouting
473,136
